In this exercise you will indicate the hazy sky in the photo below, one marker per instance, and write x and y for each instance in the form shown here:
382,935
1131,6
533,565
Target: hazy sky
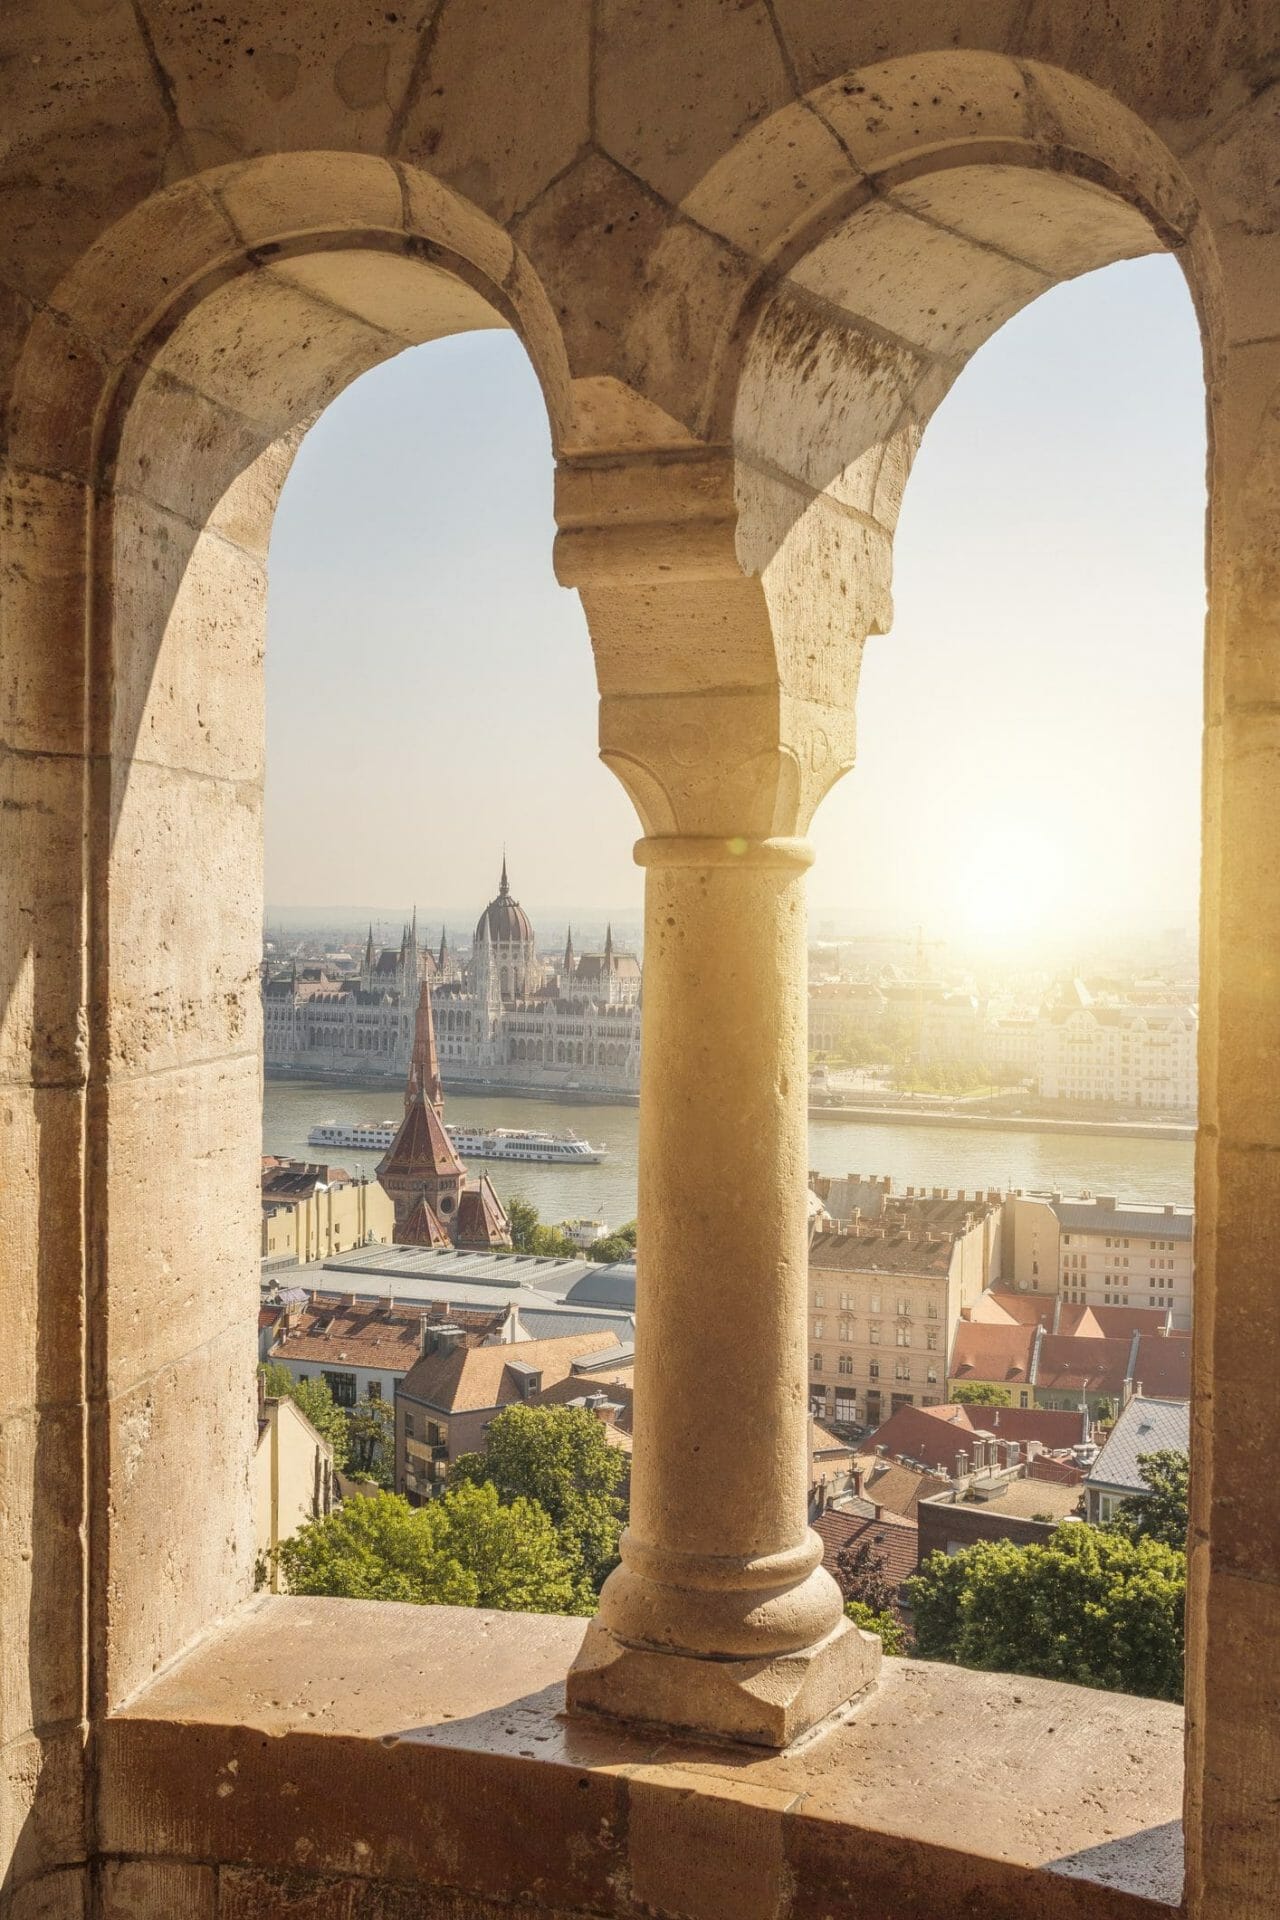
1028,732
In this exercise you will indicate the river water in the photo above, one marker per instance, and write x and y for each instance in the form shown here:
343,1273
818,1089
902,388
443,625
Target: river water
1159,1171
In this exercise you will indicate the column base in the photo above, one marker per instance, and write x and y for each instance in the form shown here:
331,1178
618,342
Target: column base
767,1702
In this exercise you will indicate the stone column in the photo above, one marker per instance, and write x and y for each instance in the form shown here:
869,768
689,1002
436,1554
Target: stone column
720,1618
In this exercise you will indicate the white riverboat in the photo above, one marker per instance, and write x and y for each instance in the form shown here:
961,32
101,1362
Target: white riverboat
473,1143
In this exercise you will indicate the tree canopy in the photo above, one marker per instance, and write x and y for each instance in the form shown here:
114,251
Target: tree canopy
558,1457
1089,1606
466,1549
980,1393
528,1235
312,1398
892,1634
1161,1512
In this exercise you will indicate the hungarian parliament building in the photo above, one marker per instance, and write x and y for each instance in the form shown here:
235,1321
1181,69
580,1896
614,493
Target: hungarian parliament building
503,1016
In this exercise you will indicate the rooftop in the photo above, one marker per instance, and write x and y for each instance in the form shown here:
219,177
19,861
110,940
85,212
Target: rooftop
472,1379
1145,1426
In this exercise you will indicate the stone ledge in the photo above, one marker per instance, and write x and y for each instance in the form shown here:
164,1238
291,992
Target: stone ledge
313,1741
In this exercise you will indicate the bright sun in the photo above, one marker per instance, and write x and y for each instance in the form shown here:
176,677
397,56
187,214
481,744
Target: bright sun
1008,888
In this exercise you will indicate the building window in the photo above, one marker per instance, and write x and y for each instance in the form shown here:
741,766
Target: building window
904,1307
873,1333
875,1303
846,1409
1024,1399
933,1309
374,1390
410,1431
817,1329
902,1370
846,1363
874,1370
931,1339
342,1386
903,1336
817,1363
819,1299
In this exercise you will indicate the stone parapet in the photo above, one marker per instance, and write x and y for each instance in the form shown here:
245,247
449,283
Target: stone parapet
349,1758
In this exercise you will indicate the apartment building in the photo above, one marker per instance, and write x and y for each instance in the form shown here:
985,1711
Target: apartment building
311,1211
1127,1056
1097,1253
885,1297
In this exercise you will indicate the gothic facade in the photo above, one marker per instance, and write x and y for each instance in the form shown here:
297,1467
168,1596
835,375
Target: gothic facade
504,1017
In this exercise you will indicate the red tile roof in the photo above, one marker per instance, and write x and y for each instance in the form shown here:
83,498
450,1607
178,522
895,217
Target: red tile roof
422,1228
481,1219
1162,1368
471,1380
1067,1364
897,1541
369,1334
985,1352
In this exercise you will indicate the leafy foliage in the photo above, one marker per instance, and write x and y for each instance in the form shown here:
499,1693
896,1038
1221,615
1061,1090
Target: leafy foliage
371,1442
558,1457
980,1393
312,1398
466,1549
528,1235
892,1634
1161,1512
861,1576
615,1246
1089,1606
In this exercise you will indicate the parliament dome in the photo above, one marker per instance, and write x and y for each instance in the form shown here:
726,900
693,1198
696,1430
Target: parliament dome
506,919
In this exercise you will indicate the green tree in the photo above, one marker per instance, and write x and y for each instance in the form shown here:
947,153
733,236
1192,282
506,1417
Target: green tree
312,1398
558,1457
1088,1606
1161,1512
892,1634
371,1441
466,1549
978,1393
528,1235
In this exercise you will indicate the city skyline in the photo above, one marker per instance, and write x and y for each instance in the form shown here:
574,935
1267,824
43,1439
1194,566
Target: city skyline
1031,782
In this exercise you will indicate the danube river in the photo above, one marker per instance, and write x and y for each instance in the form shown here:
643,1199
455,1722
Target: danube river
919,1156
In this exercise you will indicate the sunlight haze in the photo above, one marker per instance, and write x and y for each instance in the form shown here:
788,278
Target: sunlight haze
1028,732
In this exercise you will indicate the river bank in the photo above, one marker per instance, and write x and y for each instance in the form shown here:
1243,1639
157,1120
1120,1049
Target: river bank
947,1152
1006,1122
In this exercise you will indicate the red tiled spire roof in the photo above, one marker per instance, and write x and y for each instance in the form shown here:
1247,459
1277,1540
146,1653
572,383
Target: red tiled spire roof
422,1229
481,1220
424,1066
422,1148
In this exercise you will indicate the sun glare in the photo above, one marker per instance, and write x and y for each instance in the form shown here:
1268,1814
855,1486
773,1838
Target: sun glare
1008,889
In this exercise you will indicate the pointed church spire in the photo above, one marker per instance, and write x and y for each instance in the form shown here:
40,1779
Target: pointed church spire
443,960
424,1067
504,887
568,952
608,946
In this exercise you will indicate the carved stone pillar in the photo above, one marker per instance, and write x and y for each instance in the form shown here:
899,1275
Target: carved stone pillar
721,1617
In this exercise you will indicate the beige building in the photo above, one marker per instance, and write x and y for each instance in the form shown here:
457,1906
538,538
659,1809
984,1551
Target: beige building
293,1480
885,1296
1096,1252
315,1212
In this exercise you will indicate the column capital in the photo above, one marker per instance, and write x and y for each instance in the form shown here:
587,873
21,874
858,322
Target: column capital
783,851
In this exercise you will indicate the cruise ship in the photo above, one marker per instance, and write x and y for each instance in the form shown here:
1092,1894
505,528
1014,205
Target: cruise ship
473,1143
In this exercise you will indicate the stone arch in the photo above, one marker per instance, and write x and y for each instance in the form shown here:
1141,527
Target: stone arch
156,407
